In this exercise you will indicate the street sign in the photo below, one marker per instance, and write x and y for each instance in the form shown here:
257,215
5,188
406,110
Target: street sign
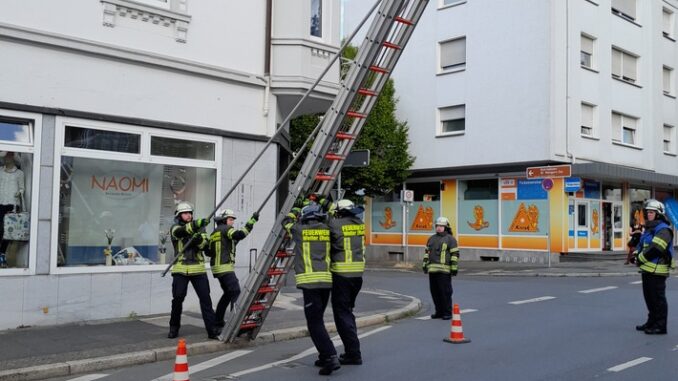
572,184
547,184
407,195
358,158
549,171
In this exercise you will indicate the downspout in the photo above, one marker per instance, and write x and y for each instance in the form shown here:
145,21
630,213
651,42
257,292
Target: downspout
569,154
267,57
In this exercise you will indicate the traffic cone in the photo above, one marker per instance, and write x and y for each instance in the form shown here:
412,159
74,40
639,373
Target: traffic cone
181,363
456,331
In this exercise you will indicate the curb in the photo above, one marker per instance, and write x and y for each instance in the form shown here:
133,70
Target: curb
552,275
69,368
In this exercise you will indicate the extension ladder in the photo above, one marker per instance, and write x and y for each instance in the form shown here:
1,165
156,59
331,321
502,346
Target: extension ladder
387,36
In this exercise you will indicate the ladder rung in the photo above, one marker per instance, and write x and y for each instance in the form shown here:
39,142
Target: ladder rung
244,326
378,69
344,135
282,254
355,114
332,156
257,307
392,45
403,20
274,272
265,290
368,92
323,177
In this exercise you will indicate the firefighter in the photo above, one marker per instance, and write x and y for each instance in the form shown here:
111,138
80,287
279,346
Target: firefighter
440,263
347,235
190,267
310,237
654,256
222,257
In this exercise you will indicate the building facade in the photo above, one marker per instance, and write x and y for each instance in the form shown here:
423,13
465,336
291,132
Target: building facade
113,111
491,88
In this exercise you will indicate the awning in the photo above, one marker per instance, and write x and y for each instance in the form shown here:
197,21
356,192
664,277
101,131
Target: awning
618,173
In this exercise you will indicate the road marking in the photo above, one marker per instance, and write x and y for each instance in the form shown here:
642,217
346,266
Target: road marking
206,364
424,318
592,290
468,310
336,341
638,282
629,364
389,297
89,377
539,299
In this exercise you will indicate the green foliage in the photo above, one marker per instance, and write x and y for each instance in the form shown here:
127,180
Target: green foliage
383,134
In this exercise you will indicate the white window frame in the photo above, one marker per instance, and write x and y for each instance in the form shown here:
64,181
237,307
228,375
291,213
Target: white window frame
439,129
667,30
671,139
145,157
324,21
594,118
33,149
670,91
593,62
625,126
163,4
452,3
452,68
622,65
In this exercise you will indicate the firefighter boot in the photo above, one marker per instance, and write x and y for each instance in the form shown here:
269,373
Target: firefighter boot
350,359
330,365
173,333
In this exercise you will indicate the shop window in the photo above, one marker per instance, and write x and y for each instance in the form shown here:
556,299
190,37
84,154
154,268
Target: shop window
181,148
481,190
637,197
425,191
16,132
100,140
582,216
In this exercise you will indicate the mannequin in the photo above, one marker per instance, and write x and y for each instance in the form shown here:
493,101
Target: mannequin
11,190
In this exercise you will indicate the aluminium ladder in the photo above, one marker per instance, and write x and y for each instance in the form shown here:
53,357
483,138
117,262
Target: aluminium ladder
389,33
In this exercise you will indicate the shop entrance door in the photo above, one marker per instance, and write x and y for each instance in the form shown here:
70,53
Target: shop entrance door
581,225
617,227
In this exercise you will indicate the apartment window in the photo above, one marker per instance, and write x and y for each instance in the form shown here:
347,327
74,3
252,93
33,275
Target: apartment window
453,54
667,23
624,65
452,119
624,128
625,8
669,141
317,18
452,2
156,3
667,80
588,119
586,58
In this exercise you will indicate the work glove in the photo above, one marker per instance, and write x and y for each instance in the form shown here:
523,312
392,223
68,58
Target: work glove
454,272
202,222
288,227
255,216
424,266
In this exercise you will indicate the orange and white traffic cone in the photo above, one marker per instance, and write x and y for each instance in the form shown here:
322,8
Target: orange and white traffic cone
456,331
181,363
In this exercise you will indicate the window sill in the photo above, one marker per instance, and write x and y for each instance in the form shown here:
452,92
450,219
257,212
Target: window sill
627,82
453,70
621,16
627,145
668,37
670,154
590,137
593,2
460,2
590,69
669,95
449,134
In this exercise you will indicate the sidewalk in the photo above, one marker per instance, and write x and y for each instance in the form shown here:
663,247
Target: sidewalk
42,352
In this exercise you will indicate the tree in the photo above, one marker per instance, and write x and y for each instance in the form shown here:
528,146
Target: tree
383,134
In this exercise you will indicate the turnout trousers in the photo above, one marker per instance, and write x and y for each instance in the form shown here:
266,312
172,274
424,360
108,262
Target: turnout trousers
654,292
231,288
344,293
202,288
441,292
315,303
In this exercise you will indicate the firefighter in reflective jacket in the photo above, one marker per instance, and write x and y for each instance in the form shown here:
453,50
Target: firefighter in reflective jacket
222,257
310,237
440,262
347,234
190,267
654,256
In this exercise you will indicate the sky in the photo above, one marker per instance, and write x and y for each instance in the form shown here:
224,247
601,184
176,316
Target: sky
353,12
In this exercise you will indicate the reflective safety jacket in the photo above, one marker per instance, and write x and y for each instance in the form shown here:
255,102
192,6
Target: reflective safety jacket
222,246
311,242
347,235
655,250
442,253
192,260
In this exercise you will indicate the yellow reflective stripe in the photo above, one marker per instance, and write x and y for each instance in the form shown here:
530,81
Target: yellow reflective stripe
348,267
454,250
660,242
436,268
348,254
189,269
319,277
443,253
328,256
651,267
306,255
226,267
189,228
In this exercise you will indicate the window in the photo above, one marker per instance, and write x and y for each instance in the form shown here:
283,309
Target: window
625,9
452,119
586,58
668,142
667,23
453,54
156,3
317,18
16,131
89,138
582,215
667,80
445,3
624,65
587,119
624,128
182,148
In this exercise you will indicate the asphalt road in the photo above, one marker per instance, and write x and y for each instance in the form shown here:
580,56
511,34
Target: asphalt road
521,329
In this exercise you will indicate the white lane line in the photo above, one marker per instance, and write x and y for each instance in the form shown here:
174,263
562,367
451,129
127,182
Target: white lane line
336,341
468,310
206,364
540,299
626,365
592,290
89,377
424,318
389,297
639,282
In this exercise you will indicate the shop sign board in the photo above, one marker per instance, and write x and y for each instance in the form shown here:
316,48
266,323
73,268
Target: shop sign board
553,171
